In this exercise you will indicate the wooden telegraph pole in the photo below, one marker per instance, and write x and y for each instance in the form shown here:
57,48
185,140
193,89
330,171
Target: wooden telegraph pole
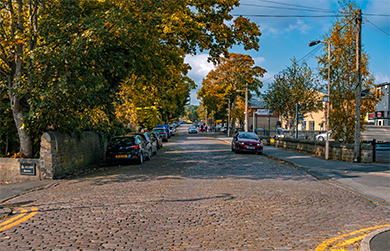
357,156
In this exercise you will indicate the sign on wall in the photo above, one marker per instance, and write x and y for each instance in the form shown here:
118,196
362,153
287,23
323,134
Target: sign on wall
263,112
27,169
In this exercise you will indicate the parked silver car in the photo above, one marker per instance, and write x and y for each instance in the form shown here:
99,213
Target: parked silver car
323,136
192,129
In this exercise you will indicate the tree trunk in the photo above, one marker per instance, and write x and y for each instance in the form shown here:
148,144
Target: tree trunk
25,140
19,105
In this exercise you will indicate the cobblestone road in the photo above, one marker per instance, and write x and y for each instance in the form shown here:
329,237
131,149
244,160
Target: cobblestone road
194,195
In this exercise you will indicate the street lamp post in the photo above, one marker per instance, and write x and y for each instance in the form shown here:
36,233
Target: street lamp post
228,122
254,120
269,122
246,106
312,43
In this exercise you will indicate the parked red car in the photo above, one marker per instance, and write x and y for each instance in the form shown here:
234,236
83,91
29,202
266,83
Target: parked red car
247,142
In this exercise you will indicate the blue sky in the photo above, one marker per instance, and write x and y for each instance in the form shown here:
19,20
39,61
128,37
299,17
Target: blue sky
284,38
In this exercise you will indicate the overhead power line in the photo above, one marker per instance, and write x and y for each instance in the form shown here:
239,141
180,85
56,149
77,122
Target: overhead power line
310,54
301,7
284,16
287,8
377,27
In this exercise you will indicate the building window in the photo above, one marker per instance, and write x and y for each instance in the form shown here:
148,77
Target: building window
303,125
311,125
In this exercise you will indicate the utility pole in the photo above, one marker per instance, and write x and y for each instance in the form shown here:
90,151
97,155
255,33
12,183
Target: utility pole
296,120
358,90
228,124
246,107
254,120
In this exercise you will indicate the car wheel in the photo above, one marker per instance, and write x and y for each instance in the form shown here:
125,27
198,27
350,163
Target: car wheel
141,159
149,154
321,138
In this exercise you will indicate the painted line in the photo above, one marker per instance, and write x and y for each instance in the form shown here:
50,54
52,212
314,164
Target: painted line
22,214
328,242
19,219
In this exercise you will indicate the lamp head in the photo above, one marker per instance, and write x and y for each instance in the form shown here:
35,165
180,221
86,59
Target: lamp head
314,42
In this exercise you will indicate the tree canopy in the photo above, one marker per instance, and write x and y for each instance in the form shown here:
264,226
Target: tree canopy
233,73
72,65
342,37
296,84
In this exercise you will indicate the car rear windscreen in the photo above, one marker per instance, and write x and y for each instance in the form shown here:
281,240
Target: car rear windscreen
123,141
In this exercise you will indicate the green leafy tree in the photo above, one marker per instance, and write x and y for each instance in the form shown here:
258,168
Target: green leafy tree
295,84
220,86
342,38
191,112
63,62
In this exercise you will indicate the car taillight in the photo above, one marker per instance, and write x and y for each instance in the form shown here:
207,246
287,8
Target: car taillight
135,147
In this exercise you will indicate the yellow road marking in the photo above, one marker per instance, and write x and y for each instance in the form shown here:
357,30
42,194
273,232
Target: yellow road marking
18,219
351,241
328,242
23,213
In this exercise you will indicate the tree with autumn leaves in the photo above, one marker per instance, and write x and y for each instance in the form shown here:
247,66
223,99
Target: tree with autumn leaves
219,88
297,83
342,38
72,66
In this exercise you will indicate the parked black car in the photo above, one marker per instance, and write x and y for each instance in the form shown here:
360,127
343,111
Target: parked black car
127,148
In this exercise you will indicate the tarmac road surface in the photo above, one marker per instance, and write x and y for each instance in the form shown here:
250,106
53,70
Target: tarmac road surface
194,195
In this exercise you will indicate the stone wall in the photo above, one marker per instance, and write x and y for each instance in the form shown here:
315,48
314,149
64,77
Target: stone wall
337,151
14,170
62,154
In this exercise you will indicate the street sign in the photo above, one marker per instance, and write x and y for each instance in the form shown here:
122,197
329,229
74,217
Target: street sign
27,169
263,111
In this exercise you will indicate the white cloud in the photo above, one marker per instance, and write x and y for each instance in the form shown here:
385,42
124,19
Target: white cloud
381,78
301,26
200,67
259,60
194,98
280,17
377,7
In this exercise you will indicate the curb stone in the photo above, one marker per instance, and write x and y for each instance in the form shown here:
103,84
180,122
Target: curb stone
365,244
